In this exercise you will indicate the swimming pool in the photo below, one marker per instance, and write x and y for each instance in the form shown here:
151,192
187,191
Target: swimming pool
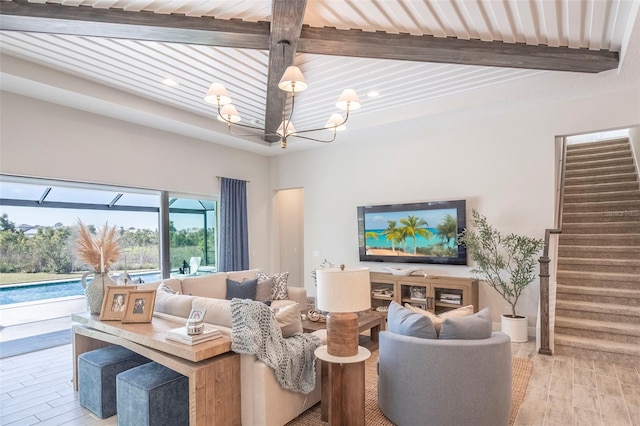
53,290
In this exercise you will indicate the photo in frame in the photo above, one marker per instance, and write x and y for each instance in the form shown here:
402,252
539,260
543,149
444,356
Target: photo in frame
139,306
113,303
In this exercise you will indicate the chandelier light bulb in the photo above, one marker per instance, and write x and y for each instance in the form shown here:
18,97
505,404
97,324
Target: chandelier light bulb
336,123
348,100
292,80
286,129
229,114
217,95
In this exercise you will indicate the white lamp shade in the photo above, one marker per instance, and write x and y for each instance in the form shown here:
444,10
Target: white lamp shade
286,128
347,290
348,100
217,93
292,80
335,122
229,113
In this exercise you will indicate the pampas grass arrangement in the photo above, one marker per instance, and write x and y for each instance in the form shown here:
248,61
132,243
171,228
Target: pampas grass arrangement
99,251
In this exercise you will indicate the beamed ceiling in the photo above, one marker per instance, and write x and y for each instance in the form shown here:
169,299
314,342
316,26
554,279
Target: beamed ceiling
412,52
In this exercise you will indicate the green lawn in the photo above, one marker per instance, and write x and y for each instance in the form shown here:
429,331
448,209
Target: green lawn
19,277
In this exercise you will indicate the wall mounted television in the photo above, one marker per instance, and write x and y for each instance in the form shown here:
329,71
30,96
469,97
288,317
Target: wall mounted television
424,232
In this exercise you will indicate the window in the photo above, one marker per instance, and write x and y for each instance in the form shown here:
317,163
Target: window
38,218
192,233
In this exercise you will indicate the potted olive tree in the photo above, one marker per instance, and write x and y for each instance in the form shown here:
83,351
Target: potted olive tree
506,263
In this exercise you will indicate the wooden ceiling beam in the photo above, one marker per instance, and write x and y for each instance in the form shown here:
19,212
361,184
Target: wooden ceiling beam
286,24
20,15
406,47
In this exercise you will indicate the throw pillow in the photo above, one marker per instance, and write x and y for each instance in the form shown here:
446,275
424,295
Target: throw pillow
263,292
438,319
163,287
244,290
279,290
476,326
401,320
288,318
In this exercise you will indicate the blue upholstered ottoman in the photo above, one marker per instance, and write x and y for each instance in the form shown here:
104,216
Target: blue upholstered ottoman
97,372
152,394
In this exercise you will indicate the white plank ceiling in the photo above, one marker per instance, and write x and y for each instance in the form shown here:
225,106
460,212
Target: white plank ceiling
138,67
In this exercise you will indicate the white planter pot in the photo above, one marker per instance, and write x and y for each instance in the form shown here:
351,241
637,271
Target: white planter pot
516,328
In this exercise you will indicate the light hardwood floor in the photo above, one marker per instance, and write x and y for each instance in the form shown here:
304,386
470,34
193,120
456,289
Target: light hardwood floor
35,389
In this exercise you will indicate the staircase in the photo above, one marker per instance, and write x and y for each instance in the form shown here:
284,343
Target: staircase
598,271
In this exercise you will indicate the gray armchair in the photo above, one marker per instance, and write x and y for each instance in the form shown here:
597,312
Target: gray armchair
445,382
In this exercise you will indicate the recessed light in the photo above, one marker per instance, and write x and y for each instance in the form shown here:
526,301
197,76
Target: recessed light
373,94
169,82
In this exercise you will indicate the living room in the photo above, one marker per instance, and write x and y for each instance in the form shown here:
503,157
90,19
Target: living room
495,147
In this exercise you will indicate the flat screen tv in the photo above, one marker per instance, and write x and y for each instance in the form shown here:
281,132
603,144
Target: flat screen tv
423,232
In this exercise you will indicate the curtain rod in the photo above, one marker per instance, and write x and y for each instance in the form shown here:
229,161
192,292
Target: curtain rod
220,177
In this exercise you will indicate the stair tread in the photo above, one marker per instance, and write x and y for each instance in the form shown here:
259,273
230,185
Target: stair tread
596,261
628,328
589,343
615,292
599,276
605,248
599,307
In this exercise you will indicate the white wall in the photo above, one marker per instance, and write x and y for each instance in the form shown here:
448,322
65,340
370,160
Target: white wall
40,139
503,165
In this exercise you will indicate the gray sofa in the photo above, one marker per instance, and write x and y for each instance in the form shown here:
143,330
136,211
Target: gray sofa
445,382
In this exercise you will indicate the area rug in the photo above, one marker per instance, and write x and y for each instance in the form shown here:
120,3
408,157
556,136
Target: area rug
373,416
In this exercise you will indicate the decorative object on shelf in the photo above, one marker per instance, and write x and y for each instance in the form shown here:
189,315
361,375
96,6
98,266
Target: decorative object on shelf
115,297
292,82
384,308
402,272
139,306
325,264
195,322
382,292
343,292
316,316
99,251
418,293
506,263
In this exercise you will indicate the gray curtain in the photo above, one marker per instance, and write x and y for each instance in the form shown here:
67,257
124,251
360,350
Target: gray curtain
234,236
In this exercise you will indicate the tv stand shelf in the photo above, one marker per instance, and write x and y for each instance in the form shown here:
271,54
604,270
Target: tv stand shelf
437,294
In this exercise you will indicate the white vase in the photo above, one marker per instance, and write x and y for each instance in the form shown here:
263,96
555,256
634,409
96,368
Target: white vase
515,328
94,290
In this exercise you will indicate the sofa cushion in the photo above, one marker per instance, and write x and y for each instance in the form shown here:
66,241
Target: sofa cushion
279,290
406,322
289,320
210,285
218,310
476,326
263,290
242,290
173,304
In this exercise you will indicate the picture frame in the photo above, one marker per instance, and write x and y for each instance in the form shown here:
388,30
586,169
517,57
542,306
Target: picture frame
139,306
114,301
418,293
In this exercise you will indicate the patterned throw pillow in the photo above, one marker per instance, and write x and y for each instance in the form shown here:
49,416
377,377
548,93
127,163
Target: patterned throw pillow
279,290
166,289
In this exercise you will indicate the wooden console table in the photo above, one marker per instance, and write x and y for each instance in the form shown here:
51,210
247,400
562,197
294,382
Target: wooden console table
212,368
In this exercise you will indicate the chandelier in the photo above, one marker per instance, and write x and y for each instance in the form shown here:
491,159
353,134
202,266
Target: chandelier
292,83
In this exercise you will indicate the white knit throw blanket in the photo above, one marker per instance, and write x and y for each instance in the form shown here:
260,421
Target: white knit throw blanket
254,330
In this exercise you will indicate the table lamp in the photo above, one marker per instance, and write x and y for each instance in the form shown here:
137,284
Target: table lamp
343,292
